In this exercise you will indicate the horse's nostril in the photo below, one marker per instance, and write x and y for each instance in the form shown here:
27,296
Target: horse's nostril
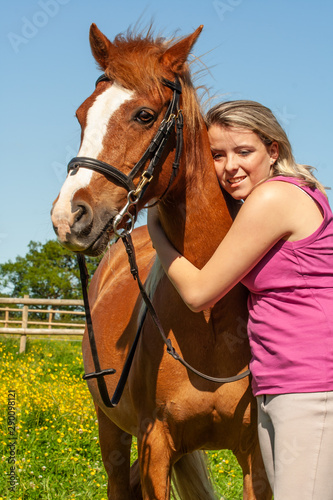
80,212
82,218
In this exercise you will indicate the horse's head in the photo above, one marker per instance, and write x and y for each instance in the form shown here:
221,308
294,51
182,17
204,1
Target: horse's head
123,122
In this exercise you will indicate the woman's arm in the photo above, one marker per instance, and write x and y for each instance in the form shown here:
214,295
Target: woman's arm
262,221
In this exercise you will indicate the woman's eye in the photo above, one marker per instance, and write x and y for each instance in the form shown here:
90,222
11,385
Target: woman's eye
217,156
244,152
144,116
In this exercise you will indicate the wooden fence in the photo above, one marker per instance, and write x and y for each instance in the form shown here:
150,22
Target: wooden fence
16,320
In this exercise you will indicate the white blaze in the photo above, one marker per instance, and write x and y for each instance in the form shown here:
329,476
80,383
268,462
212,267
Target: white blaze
98,118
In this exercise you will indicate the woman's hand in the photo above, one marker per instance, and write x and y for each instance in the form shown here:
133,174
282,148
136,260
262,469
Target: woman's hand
173,262
152,219
153,223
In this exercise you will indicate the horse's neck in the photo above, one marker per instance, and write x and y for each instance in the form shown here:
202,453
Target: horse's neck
195,217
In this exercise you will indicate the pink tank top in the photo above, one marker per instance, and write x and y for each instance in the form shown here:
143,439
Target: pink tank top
291,311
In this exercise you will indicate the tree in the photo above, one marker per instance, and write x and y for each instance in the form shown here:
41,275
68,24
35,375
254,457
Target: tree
47,271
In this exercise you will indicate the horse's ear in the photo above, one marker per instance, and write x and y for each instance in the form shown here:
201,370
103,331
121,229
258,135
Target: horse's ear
101,46
175,57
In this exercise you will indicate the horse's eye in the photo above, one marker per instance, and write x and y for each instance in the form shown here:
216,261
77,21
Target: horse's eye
144,116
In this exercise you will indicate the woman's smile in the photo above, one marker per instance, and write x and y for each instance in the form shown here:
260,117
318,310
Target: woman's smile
236,180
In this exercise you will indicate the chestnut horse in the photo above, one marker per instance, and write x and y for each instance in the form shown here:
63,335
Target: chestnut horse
173,412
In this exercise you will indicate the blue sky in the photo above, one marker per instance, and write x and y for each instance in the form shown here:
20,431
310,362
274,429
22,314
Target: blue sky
277,52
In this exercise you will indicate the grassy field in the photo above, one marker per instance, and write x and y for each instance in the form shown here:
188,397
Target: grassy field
48,430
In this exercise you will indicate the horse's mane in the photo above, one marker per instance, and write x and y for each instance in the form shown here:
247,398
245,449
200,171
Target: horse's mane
135,64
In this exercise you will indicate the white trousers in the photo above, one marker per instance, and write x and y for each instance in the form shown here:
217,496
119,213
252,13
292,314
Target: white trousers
296,440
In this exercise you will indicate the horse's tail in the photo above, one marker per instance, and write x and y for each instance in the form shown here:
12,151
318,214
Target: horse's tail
191,478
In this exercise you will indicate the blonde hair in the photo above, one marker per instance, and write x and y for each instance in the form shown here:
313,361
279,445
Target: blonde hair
259,119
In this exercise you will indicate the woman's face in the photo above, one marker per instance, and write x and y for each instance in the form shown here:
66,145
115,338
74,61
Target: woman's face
241,159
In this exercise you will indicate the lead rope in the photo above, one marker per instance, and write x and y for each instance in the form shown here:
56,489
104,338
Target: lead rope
127,240
99,374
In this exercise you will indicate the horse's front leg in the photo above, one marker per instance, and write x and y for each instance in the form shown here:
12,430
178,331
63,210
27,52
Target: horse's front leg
115,446
155,463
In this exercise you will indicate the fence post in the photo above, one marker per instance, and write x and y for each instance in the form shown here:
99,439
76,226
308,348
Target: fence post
50,318
6,317
23,339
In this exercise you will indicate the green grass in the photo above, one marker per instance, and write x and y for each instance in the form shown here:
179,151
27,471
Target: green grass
55,441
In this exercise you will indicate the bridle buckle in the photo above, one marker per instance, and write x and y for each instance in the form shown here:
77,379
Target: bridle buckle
145,179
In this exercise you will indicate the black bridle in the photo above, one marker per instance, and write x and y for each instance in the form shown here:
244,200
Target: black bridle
153,154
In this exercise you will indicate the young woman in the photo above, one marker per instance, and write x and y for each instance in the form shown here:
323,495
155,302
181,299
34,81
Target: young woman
281,247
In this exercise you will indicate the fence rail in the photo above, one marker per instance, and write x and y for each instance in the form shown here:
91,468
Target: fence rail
52,325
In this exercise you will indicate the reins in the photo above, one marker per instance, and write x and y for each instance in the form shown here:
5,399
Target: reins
153,153
99,373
